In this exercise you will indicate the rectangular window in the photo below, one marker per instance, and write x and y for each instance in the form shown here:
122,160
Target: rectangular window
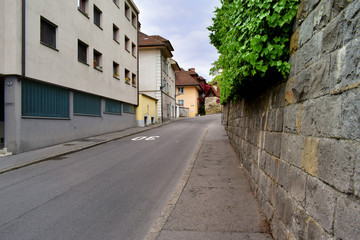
180,90
97,60
87,104
133,49
133,19
44,100
127,76
116,70
128,108
115,33
181,103
82,5
97,16
127,44
127,11
133,79
47,33
112,106
82,52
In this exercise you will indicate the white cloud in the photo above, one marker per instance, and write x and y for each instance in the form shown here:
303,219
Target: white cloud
184,23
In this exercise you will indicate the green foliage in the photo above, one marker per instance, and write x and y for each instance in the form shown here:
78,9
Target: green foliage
252,38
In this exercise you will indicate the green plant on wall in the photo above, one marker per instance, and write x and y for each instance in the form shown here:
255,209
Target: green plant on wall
252,38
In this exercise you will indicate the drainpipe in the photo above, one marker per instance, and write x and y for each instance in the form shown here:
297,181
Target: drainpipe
161,97
23,29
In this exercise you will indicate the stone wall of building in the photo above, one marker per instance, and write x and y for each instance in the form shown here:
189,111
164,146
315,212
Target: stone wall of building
300,142
212,106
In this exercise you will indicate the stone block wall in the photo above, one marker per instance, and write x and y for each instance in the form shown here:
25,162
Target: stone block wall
211,105
300,142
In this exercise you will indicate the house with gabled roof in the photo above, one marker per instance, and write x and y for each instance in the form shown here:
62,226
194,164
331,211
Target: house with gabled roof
157,74
189,90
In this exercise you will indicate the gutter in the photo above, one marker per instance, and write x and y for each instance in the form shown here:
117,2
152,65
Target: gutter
23,32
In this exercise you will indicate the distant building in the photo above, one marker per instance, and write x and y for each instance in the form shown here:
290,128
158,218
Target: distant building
147,110
68,70
157,73
189,91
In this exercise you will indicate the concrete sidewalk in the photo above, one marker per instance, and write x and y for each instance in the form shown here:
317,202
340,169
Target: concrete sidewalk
214,200
12,162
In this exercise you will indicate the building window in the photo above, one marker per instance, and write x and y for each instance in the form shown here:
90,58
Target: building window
47,33
97,60
112,106
43,100
115,33
82,6
82,52
181,103
133,19
116,70
87,104
128,108
133,49
180,90
127,76
127,11
133,79
127,44
165,65
97,16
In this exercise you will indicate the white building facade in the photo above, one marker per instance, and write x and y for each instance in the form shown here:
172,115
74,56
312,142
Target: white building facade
157,73
68,70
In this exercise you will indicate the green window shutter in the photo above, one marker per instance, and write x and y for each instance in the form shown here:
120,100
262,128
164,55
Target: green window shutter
112,106
44,100
87,104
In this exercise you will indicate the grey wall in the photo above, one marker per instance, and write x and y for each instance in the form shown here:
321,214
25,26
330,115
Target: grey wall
24,134
300,142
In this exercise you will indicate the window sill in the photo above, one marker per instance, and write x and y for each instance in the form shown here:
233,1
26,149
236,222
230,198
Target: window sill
127,82
49,46
111,113
116,41
98,26
98,68
116,77
45,118
127,50
83,62
84,13
86,115
134,86
116,4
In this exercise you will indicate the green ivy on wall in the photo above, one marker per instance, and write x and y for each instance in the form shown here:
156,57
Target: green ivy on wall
252,38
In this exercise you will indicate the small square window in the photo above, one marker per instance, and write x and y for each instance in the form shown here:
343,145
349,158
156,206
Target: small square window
82,6
127,11
181,103
127,76
133,79
97,60
127,44
82,52
97,16
116,70
115,33
133,49
133,19
47,33
180,90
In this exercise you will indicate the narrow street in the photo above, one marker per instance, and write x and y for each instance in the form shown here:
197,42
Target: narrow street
112,191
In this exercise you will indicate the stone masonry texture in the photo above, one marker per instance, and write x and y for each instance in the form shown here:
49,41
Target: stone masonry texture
299,142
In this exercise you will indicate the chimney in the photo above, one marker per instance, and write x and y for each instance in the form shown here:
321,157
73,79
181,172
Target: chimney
192,69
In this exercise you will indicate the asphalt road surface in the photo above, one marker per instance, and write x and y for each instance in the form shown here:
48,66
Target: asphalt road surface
112,191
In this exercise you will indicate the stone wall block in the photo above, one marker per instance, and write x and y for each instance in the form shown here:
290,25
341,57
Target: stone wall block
320,202
274,168
315,231
275,120
333,37
273,143
320,78
292,148
284,205
352,17
284,177
306,29
297,185
357,174
291,118
347,222
350,113
322,14
310,156
339,5
301,87
279,230
345,66
322,117
278,96
298,225
336,163
309,53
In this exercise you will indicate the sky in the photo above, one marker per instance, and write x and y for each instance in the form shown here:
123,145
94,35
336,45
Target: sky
183,23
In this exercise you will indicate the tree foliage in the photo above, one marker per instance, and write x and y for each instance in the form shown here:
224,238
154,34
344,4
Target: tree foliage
252,38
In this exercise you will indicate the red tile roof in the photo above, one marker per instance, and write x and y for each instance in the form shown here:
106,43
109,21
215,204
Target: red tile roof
146,41
184,78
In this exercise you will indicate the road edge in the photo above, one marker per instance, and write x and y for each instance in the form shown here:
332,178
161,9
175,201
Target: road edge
159,223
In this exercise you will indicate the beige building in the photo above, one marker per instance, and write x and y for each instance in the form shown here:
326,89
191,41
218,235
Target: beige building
157,73
68,69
